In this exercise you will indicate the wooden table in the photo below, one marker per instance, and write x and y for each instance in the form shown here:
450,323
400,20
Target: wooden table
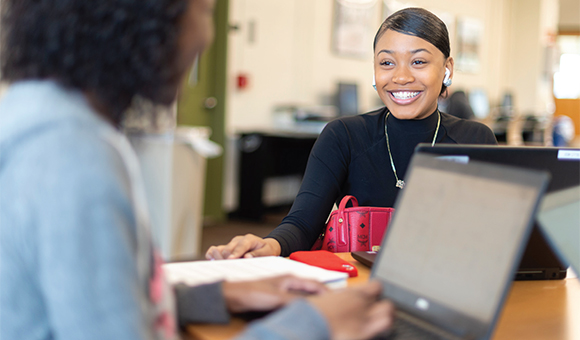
533,310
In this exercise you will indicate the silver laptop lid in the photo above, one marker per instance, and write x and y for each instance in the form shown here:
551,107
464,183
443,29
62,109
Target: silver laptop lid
450,252
559,219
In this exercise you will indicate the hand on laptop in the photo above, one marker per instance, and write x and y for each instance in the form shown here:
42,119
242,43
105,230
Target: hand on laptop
268,294
355,313
244,246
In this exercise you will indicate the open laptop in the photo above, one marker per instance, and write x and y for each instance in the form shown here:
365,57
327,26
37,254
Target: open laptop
559,220
539,261
448,257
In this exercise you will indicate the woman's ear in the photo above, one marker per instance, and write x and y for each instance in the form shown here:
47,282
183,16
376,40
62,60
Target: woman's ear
448,78
449,64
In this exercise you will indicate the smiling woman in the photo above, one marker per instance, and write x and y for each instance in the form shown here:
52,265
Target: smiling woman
367,155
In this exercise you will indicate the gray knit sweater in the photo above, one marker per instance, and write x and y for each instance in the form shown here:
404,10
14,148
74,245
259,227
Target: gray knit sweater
76,258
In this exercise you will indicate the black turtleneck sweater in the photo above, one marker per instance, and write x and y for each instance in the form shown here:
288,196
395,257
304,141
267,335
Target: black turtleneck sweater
350,158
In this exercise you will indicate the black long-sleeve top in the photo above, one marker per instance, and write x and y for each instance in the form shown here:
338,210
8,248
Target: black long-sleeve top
350,157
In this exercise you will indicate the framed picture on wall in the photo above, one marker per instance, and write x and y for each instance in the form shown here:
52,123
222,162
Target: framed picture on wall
391,6
353,27
469,37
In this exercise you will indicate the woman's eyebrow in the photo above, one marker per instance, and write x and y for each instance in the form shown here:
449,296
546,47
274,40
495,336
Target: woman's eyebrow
385,51
411,51
420,50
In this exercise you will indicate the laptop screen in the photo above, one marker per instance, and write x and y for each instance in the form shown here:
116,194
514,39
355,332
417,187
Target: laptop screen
457,231
559,218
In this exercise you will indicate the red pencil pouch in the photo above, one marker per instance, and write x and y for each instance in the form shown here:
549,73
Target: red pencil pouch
324,259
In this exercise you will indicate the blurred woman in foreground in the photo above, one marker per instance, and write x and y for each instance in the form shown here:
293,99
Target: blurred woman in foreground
77,260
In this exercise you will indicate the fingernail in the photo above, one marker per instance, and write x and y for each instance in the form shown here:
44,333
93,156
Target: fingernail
248,256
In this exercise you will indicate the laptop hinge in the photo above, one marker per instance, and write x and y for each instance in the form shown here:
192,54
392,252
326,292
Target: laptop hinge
541,274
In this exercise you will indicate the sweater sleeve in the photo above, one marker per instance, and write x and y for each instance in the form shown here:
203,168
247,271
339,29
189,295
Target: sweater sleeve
205,304
325,172
299,320
201,304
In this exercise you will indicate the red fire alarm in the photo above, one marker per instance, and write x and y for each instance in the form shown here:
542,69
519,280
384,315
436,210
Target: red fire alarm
242,81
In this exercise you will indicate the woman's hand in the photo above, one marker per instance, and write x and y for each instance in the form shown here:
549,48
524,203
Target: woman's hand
268,294
355,313
246,246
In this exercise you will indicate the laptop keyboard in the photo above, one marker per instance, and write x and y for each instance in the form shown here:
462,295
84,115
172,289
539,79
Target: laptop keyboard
405,330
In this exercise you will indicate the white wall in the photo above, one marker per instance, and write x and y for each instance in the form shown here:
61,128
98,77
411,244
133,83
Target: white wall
533,28
291,60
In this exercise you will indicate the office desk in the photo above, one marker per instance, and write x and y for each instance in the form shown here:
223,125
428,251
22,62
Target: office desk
267,154
533,310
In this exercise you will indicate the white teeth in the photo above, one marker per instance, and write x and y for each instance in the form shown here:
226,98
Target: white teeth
404,94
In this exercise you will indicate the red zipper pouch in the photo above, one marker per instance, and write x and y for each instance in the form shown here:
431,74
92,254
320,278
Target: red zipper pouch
324,259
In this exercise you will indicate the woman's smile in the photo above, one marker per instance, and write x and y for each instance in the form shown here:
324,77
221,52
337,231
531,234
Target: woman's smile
404,97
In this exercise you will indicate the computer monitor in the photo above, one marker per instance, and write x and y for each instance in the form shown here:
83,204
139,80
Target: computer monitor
507,105
347,99
479,103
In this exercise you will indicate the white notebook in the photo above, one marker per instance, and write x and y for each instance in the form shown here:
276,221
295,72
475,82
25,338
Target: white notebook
202,272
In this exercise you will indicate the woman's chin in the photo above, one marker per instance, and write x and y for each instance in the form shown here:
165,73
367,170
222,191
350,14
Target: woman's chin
404,115
409,113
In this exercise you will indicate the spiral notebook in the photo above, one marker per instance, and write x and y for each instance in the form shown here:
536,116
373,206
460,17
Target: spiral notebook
203,272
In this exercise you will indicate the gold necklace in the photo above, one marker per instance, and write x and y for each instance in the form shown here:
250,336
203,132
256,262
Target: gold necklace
400,183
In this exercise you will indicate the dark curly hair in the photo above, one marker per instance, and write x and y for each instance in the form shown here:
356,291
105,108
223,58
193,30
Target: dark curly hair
420,23
115,49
